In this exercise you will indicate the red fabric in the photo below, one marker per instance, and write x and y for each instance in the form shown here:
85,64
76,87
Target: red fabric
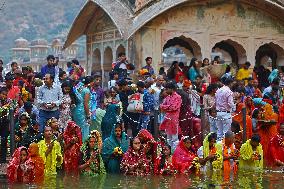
135,163
178,74
15,173
276,150
249,105
36,163
72,153
13,93
171,105
197,140
167,169
182,158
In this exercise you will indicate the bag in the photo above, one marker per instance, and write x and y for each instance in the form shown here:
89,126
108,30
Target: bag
135,103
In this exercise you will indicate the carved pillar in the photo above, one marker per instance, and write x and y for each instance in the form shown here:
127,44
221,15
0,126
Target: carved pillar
251,51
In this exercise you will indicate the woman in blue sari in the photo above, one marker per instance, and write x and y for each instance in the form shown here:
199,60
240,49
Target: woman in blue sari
82,113
114,147
109,120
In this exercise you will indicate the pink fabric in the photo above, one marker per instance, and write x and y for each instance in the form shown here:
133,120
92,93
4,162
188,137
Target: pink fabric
182,158
224,99
171,105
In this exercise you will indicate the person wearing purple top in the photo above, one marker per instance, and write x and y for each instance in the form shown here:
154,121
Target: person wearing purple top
99,91
49,68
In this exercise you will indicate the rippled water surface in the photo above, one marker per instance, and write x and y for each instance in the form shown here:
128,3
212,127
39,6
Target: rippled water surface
267,179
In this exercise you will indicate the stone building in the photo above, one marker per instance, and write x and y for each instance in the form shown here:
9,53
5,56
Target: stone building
34,53
238,31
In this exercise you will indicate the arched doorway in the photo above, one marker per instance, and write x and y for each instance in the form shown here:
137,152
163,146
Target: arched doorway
180,49
96,66
270,55
230,52
108,57
120,49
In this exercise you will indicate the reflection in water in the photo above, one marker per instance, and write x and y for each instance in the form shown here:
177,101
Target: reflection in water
267,179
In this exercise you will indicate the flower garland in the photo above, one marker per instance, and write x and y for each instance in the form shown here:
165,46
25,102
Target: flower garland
5,109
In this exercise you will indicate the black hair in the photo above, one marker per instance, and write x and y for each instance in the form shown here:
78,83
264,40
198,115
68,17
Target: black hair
181,64
69,64
227,80
163,157
25,69
75,61
1,61
228,69
121,54
50,57
216,58
148,58
275,81
211,87
192,62
212,136
69,83
51,76
236,126
275,88
9,77
255,113
161,70
3,89
140,84
255,138
211,110
247,63
171,85
132,140
87,80
13,63
61,73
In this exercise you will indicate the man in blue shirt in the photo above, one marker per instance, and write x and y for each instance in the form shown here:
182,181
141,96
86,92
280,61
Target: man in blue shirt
49,98
148,66
49,68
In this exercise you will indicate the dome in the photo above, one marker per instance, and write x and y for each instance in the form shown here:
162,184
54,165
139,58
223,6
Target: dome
39,42
56,42
21,43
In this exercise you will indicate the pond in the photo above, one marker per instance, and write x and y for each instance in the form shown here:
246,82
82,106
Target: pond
266,179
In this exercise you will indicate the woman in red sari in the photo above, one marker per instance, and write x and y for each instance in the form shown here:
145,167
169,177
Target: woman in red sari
238,117
184,158
73,142
18,170
276,149
134,161
149,146
249,105
163,163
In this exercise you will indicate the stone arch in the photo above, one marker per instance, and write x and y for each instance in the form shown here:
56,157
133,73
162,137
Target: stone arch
188,46
270,7
270,54
96,64
108,58
120,49
232,51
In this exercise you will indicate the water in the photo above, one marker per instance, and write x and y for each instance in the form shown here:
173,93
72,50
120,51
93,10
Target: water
267,179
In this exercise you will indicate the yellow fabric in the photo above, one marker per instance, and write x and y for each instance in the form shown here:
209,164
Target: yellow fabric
50,161
243,74
217,164
246,153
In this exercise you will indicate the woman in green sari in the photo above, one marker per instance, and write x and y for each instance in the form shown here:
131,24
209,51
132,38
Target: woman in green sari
91,162
114,147
109,120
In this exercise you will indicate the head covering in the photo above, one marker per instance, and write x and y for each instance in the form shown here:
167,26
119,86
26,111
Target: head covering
68,134
258,102
273,75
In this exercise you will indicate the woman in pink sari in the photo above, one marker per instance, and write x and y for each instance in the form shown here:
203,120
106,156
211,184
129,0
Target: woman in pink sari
73,142
184,159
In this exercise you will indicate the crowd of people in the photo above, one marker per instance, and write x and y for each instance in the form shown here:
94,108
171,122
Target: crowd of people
142,123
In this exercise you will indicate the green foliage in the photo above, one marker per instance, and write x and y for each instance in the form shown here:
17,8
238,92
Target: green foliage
33,19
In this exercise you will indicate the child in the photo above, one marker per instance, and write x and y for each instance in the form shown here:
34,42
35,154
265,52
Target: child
213,120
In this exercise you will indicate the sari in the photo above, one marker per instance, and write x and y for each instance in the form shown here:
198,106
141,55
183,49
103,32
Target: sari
111,144
109,120
276,150
247,154
149,146
17,171
183,159
249,105
135,163
36,163
50,161
205,150
164,166
72,149
96,167
267,132
238,117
